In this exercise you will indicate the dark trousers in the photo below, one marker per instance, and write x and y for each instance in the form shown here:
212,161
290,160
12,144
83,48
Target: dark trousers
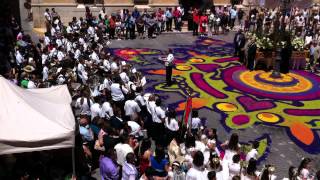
177,24
158,132
232,23
241,56
170,135
111,33
168,75
250,65
236,51
195,29
169,24
120,105
239,53
132,33
150,31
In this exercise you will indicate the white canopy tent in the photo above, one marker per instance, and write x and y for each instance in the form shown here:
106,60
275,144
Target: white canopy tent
35,119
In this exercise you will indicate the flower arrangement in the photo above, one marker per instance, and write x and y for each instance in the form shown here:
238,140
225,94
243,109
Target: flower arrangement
282,44
264,43
298,44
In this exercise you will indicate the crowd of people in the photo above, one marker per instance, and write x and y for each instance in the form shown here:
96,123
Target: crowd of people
126,133
122,24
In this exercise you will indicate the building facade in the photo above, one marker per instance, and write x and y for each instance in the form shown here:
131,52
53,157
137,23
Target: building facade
70,8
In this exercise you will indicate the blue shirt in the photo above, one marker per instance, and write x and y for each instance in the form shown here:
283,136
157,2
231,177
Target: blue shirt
168,14
158,166
136,14
233,13
86,133
312,50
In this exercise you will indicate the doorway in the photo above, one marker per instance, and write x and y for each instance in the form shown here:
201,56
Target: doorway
200,4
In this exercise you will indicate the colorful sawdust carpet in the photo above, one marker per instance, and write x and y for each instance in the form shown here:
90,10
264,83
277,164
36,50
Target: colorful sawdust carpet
207,71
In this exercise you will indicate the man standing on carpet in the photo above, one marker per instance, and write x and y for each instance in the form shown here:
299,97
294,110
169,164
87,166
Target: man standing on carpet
239,42
169,64
252,49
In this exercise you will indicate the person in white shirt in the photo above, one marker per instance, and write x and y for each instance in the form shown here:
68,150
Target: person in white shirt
59,42
131,84
44,56
31,85
135,128
158,114
215,165
53,53
83,104
234,167
253,153
69,28
197,172
94,57
195,122
158,118
68,45
118,90
122,149
139,98
131,108
171,125
251,171
267,173
169,66
81,71
61,79
77,54
48,19
91,31
124,76
96,109
304,169
106,110
45,72
106,84
102,14
114,66
106,65
129,170
53,30
60,54
232,147
19,58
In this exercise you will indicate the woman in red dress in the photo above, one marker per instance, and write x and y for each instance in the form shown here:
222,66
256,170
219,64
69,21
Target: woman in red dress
195,18
203,24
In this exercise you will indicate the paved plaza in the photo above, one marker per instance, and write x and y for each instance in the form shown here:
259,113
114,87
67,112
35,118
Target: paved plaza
286,136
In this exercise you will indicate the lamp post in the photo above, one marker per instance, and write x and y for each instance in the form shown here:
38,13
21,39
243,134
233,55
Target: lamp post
276,69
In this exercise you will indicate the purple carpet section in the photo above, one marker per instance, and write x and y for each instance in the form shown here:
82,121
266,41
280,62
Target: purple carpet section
208,68
240,119
223,60
250,104
199,81
303,112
